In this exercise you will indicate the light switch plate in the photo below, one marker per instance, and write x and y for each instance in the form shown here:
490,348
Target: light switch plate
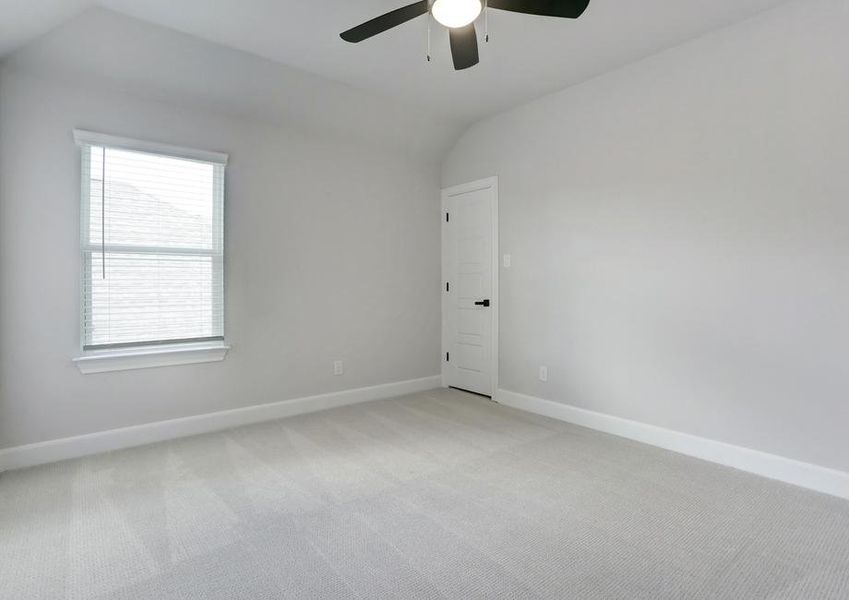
508,260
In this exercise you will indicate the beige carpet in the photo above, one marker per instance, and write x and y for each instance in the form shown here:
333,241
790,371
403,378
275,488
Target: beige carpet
434,495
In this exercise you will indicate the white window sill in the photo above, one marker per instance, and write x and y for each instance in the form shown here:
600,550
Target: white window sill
101,361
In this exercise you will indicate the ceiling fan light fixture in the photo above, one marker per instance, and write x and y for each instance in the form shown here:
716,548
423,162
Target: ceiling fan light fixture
456,13
459,17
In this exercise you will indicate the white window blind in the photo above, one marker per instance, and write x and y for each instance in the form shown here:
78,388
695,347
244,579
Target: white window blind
152,243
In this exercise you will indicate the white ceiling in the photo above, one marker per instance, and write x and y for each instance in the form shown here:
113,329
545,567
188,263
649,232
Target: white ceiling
23,20
526,57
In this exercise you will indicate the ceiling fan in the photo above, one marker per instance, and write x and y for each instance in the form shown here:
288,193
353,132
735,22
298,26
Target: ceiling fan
459,17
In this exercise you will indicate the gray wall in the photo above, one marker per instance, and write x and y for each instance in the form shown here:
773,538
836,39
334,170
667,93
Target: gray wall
680,236
332,252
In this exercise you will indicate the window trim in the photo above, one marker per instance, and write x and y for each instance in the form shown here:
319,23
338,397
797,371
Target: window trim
82,136
145,355
140,357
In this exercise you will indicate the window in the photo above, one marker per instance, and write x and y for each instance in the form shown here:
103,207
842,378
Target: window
152,244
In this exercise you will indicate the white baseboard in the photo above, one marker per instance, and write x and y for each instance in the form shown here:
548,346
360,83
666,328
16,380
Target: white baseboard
814,477
138,435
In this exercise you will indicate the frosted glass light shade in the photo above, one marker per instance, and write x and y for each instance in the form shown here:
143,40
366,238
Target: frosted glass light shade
456,13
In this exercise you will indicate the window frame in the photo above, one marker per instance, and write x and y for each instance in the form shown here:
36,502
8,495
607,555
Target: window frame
131,355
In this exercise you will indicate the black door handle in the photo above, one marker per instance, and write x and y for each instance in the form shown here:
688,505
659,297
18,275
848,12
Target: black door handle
482,303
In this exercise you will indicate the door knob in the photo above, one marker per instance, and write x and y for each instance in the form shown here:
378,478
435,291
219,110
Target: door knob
482,303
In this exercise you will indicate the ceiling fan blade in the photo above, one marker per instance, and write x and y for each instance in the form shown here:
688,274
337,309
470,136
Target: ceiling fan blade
570,9
384,22
464,46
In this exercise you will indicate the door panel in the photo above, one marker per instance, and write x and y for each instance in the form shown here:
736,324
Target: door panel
468,252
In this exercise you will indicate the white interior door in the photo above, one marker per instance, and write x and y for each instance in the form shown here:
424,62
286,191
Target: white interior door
470,273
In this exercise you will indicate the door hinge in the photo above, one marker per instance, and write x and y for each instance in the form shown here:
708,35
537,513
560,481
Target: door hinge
447,217
447,286
447,357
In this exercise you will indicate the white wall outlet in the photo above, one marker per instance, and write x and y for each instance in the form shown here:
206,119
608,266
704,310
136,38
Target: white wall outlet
543,373
508,260
338,367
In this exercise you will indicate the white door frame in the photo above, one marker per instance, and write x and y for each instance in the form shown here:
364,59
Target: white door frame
480,184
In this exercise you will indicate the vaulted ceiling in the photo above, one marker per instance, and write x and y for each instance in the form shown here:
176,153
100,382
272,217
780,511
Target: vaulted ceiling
525,58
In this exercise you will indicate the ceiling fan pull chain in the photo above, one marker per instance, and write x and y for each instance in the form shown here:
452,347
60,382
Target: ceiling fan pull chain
428,36
486,21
